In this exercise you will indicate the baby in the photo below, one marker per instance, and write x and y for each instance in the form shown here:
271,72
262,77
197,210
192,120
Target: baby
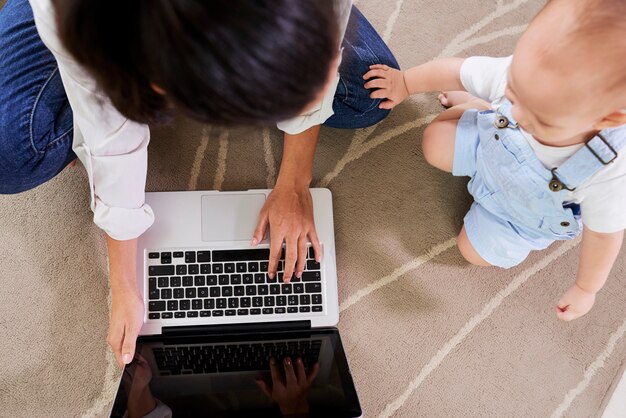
541,134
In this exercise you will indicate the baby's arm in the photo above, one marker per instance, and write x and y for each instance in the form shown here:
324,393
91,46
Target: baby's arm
597,257
395,85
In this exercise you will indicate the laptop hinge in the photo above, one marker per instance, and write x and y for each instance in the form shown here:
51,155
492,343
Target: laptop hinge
231,329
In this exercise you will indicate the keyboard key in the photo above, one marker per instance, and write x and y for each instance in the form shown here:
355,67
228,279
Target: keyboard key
257,301
259,278
161,270
152,283
166,294
156,306
211,280
242,268
175,281
218,313
196,304
268,311
187,281
313,288
235,279
311,253
298,288
220,303
154,316
190,293
214,292
269,301
209,304
305,299
205,314
312,265
194,269
179,314
251,290
245,302
192,314
292,309
153,255
166,258
229,268
317,299
185,305
293,300
264,266
233,303
257,254
198,281
164,281
305,309
263,289
311,276
231,312
179,293
190,257
248,279
239,291
280,310
167,315
205,269
242,312
178,254
203,292
287,289
172,305
274,289
204,256
154,294
281,300
317,308
181,269
253,267
227,291
255,311
218,269
224,279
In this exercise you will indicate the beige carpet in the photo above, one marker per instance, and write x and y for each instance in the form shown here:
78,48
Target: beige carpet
426,334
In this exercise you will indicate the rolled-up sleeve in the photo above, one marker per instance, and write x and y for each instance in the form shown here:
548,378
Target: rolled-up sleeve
112,148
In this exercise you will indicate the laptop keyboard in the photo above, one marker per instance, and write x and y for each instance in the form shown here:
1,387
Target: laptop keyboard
202,359
217,283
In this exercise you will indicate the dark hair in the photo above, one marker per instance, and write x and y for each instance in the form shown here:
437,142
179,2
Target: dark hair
222,62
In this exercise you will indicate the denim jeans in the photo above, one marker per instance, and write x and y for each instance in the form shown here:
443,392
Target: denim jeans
36,123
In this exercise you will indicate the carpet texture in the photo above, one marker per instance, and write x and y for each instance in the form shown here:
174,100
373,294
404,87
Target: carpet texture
426,334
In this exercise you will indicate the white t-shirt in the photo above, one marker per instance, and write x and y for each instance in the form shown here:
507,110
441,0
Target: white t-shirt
602,197
113,149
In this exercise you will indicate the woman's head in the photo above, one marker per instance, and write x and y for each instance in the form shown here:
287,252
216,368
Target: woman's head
220,61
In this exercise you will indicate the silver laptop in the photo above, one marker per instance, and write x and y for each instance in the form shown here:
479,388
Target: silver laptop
215,320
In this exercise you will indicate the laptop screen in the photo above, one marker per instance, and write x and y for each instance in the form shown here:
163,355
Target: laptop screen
303,374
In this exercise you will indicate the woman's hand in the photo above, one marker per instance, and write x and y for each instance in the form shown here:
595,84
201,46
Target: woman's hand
389,83
289,213
127,312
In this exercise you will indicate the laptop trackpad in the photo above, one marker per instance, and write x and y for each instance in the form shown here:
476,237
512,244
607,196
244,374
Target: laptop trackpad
230,217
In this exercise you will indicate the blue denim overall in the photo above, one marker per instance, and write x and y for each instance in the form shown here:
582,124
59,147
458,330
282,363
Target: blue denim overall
519,204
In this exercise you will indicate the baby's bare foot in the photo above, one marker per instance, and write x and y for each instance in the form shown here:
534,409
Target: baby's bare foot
454,98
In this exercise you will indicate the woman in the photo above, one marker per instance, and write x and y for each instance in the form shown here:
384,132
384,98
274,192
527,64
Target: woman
82,78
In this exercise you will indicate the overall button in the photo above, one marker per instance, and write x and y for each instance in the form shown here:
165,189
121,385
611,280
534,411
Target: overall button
556,186
565,224
501,122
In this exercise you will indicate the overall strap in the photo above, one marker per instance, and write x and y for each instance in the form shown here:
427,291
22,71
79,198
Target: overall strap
597,153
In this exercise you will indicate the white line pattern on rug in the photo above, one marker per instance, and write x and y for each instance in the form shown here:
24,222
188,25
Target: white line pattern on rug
198,159
476,320
590,372
220,172
397,273
391,22
270,162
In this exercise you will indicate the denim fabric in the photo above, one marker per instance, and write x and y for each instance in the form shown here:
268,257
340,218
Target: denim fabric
36,124
362,47
515,211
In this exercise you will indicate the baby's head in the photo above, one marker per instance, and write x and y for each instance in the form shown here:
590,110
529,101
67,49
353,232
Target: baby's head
568,76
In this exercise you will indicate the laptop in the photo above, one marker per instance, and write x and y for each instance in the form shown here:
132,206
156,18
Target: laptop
222,339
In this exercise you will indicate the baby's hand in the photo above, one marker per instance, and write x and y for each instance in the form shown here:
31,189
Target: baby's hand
574,303
390,84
